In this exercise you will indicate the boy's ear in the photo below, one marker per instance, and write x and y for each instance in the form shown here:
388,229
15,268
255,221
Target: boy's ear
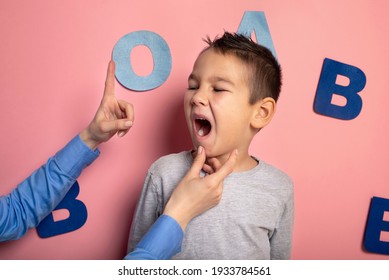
263,112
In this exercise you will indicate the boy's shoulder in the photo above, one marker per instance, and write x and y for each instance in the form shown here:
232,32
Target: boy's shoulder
275,175
181,160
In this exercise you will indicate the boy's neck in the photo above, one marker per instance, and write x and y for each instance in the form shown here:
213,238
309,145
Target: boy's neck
244,161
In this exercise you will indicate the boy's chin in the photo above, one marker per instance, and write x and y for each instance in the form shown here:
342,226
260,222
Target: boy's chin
210,153
208,150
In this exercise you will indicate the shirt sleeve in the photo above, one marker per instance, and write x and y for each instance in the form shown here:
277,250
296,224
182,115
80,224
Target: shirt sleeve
149,208
34,198
161,242
281,241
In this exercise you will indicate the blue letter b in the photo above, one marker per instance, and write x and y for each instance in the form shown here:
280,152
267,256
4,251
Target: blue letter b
327,88
77,218
376,224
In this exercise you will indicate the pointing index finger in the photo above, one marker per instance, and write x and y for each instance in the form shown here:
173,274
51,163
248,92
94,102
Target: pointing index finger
110,79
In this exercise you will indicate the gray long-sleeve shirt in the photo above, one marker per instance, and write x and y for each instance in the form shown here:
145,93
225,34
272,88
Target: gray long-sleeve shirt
253,220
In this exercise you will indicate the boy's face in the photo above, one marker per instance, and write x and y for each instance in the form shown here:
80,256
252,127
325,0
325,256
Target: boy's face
217,108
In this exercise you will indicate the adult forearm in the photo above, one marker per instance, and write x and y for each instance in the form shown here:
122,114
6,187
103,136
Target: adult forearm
40,193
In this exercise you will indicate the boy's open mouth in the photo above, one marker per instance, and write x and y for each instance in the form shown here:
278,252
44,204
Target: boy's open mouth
202,126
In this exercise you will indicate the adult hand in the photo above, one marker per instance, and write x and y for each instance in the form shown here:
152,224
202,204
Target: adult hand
194,194
113,116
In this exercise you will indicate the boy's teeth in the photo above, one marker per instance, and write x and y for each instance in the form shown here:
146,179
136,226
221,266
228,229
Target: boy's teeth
201,132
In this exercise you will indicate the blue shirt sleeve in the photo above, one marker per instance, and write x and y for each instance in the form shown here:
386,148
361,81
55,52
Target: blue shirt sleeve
161,242
39,194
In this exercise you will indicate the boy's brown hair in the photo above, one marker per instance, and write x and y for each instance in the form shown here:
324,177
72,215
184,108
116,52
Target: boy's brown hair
265,78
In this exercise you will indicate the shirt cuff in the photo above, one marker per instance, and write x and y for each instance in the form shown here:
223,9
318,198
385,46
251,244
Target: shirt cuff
75,156
162,241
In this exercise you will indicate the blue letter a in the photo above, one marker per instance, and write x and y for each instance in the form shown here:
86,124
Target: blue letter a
77,218
256,21
327,88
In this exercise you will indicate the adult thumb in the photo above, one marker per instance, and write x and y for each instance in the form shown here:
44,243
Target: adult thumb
198,162
116,125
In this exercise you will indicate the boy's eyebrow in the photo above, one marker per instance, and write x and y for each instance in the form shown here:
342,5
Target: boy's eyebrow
192,77
212,79
221,79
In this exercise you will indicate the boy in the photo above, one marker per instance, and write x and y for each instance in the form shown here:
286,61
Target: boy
232,94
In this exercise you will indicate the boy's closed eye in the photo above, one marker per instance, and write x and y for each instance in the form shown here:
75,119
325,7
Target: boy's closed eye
215,89
192,85
219,89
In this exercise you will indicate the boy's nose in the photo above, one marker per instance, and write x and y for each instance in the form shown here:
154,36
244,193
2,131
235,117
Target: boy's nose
200,98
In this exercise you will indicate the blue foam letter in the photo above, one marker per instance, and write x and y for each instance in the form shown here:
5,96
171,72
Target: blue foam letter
256,21
376,224
161,57
327,87
77,218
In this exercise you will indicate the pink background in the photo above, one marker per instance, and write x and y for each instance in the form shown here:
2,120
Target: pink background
53,63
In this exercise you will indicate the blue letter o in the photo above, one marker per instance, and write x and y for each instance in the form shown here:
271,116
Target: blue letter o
161,57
